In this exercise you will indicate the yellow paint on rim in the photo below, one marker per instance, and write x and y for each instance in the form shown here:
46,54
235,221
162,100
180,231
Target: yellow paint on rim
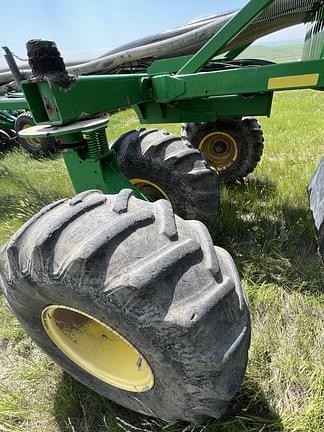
146,186
220,148
293,81
31,141
97,348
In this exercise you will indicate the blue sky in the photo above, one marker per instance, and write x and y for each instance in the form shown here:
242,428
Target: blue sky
87,28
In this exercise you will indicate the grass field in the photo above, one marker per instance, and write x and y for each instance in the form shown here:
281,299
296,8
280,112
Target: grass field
277,54
266,225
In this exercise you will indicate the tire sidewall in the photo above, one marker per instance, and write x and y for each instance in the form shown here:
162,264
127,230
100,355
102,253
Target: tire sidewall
166,374
175,185
190,184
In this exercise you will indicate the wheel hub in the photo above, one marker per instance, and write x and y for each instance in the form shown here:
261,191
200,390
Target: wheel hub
97,348
220,148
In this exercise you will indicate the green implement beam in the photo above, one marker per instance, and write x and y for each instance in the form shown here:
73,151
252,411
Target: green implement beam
7,103
7,120
225,35
89,95
93,95
241,81
204,110
60,106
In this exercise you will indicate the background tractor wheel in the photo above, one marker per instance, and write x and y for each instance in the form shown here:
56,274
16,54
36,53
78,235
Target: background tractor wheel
8,140
162,165
37,147
232,146
112,277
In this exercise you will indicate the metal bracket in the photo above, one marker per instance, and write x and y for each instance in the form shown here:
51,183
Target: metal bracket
47,130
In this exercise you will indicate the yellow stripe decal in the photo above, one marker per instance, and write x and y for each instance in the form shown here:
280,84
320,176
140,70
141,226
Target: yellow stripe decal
293,81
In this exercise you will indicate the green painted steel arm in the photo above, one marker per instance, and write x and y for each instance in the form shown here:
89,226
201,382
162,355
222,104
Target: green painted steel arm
225,35
60,106
13,103
249,80
89,95
7,120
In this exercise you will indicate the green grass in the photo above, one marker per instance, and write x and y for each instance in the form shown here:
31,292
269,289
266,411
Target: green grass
267,227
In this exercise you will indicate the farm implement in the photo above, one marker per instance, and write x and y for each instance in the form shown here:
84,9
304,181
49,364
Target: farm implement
13,119
122,285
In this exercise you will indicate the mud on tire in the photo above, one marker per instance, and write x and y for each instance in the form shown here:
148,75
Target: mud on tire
154,278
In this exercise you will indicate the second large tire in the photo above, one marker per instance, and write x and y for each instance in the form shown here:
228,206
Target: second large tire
232,146
163,165
316,203
93,277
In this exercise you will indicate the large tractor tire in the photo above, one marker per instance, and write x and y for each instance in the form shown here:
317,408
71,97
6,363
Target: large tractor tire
166,166
36,147
316,204
132,301
232,146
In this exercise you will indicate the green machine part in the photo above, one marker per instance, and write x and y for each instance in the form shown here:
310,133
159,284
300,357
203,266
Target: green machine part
13,103
172,90
7,119
9,107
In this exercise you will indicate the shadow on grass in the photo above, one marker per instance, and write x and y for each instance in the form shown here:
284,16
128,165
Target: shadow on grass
4,153
77,408
270,243
255,187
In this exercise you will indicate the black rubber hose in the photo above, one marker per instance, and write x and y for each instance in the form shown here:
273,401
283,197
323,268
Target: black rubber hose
188,39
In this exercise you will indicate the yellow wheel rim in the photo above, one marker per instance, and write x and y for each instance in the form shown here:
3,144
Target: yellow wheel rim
151,190
34,142
220,149
97,348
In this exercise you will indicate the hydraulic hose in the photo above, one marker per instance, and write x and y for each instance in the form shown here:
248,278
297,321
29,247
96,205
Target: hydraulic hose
190,37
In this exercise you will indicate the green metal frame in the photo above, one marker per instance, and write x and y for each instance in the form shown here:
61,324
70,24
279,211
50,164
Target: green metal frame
226,34
13,103
8,111
95,161
7,120
172,90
